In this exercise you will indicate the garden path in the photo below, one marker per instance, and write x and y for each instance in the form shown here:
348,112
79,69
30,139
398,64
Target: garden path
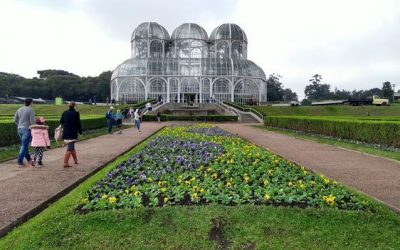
375,176
26,191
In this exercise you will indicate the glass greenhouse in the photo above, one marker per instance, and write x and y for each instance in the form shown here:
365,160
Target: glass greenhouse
188,66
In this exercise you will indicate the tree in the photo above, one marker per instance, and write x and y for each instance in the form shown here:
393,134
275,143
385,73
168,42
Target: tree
289,95
387,90
274,88
316,90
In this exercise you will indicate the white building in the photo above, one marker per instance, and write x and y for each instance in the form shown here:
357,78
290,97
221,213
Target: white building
188,66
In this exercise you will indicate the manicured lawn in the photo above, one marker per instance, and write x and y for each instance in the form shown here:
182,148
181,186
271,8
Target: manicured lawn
336,110
11,152
54,110
335,142
202,226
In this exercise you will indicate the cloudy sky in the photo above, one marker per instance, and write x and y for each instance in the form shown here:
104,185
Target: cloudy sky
353,44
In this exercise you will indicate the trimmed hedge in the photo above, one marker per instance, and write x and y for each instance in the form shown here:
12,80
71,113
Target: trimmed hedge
215,118
9,134
377,132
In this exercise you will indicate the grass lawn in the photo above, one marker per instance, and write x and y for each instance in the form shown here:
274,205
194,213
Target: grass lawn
335,110
54,110
348,145
11,152
202,227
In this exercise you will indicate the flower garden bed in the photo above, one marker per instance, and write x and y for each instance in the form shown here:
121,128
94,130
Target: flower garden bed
202,164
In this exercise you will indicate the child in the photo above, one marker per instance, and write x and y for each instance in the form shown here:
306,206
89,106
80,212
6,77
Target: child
118,117
40,140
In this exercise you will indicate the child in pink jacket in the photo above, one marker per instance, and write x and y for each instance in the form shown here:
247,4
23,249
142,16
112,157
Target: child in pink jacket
40,140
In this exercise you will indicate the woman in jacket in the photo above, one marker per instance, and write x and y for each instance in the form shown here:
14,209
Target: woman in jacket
71,122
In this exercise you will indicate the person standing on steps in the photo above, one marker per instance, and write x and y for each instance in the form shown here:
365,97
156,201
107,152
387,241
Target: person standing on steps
24,117
110,119
71,122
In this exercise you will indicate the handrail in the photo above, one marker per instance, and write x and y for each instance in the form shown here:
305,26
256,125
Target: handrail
243,109
224,106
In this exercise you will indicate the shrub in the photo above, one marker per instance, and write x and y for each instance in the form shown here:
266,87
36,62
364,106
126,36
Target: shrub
370,131
216,118
9,135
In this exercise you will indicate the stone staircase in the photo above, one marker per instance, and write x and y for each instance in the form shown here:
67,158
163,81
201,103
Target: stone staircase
248,118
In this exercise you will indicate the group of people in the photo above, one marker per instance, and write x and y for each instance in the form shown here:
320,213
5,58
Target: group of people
35,132
117,118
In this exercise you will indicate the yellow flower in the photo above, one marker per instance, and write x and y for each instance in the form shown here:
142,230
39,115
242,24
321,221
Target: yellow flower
133,188
312,183
267,197
266,183
226,171
270,172
187,183
246,179
330,200
228,184
209,169
112,199
149,179
302,186
276,161
165,200
290,184
180,177
195,188
193,179
137,193
214,176
202,191
160,183
334,182
85,200
163,189
104,196
194,196
326,180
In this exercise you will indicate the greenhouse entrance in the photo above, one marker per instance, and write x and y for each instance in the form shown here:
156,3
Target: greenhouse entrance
190,98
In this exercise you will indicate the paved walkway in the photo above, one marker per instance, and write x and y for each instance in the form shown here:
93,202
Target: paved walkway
375,176
26,189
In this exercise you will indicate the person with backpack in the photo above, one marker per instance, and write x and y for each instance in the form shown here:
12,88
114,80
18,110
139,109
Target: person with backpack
110,119
71,122
40,140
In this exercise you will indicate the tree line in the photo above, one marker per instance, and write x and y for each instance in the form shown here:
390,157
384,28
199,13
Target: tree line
54,83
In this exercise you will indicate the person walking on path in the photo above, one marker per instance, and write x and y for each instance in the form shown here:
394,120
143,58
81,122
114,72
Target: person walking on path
159,116
110,119
118,117
40,140
71,122
24,117
137,119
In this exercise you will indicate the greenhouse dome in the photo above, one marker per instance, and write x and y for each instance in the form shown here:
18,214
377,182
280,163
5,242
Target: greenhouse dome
188,66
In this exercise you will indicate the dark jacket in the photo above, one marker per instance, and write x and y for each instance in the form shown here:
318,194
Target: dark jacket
71,122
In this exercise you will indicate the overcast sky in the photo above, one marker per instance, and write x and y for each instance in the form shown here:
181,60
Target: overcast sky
353,44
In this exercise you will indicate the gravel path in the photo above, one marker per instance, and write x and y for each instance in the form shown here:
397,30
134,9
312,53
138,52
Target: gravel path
374,176
28,190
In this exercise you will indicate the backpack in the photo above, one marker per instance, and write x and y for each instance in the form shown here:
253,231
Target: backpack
58,132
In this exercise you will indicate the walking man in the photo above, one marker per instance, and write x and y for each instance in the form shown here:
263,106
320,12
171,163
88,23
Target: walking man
110,119
24,117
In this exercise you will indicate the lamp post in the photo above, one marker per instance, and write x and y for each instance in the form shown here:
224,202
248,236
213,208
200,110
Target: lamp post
393,86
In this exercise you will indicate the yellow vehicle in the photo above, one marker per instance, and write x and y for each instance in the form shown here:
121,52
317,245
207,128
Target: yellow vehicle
376,100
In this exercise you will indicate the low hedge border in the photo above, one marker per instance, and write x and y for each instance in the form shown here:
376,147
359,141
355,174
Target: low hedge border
215,118
376,132
9,134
